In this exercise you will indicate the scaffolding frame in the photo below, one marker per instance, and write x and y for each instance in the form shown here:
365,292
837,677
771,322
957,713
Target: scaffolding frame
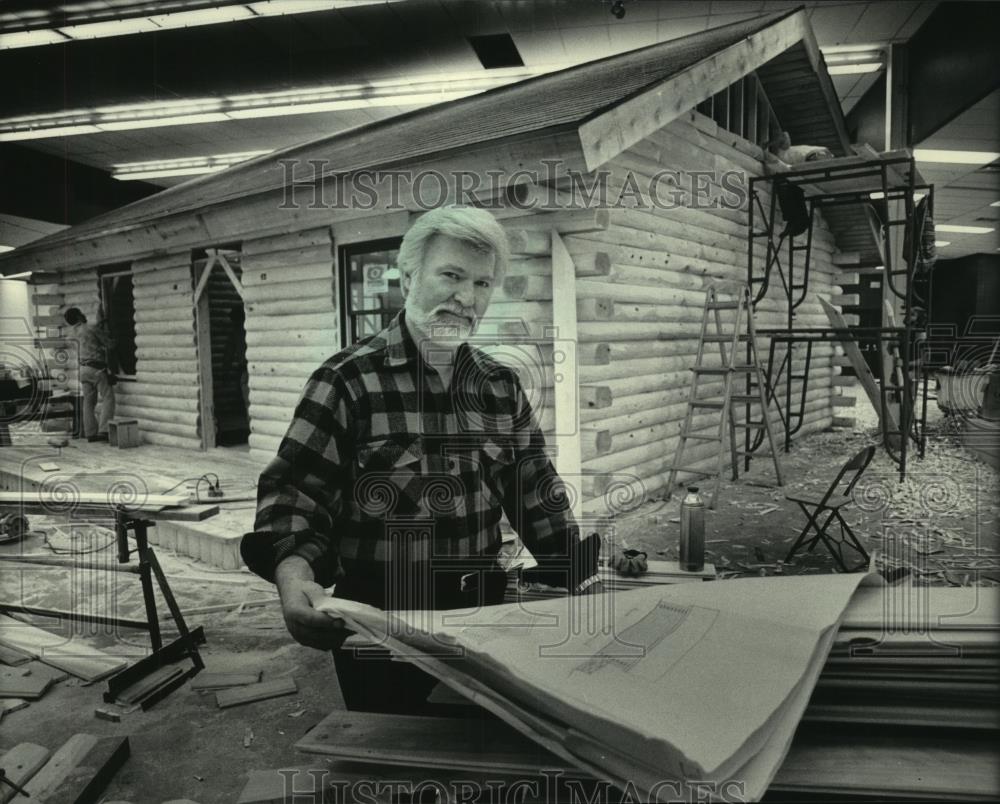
877,183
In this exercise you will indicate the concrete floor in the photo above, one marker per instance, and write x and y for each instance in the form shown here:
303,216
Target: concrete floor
943,523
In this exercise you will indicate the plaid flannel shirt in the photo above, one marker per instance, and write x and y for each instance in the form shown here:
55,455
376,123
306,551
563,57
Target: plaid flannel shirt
379,451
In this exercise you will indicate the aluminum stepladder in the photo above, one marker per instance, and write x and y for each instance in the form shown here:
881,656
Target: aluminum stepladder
755,395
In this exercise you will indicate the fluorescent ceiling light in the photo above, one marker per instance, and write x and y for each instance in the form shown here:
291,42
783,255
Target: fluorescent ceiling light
418,91
187,166
955,229
942,243
156,122
854,69
140,175
878,194
955,157
835,49
82,24
995,204
848,58
6,248
43,132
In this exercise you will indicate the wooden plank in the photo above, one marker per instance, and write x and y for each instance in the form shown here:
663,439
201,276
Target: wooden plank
85,783
21,763
606,135
25,682
30,498
83,661
13,657
564,312
190,513
150,684
433,742
9,705
860,366
929,765
211,681
256,692
54,773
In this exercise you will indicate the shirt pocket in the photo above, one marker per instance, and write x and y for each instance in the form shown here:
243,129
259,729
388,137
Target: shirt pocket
389,476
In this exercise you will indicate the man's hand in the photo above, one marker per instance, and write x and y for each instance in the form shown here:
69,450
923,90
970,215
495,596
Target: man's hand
294,579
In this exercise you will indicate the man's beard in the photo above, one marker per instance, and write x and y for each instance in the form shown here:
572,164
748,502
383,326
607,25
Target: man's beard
442,326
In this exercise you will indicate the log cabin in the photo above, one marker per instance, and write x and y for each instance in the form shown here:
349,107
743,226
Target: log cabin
621,182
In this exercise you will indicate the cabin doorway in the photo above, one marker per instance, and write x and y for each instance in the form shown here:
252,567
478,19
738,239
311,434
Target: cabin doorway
222,348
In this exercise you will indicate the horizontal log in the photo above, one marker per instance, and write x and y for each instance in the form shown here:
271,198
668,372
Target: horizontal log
267,307
593,354
529,242
169,428
272,413
528,288
669,369
638,293
270,398
326,338
299,354
149,415
148,317
125,394
267,427
595,396
178,368
311,260
312,321
288,241
304,289
176,272
147,329
265,445
294,371
181,259
152,340
260,382
529,266
168,440
564,221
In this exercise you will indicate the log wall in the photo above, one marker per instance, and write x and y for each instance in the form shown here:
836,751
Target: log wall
644,314
165,396
292,325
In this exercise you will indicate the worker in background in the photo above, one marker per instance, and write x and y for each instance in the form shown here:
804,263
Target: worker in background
93,342
413,425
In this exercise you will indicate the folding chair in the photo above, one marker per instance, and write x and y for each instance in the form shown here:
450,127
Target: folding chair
829,504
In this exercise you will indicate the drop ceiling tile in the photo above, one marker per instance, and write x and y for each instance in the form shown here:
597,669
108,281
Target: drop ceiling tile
833,23
540,47
676,28
882,21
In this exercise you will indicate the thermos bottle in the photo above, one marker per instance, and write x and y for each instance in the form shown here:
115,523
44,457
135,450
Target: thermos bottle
692,547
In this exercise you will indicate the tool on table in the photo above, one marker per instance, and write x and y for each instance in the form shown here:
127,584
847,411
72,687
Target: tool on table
631,563
17,787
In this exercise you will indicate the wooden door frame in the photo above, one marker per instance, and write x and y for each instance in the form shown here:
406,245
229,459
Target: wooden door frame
203,335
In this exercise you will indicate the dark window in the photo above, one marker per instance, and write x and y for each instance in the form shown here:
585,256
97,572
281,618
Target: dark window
369,287
119,315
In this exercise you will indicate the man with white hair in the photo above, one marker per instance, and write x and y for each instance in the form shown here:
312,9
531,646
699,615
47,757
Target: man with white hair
405,450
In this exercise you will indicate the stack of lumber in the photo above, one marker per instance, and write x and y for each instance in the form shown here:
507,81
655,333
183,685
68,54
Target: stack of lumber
906,705
914,656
